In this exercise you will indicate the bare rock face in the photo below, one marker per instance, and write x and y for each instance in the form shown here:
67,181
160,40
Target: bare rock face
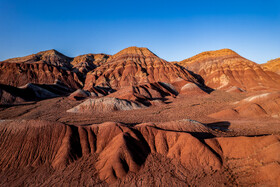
272,65
136,66
85,63
224,68
261,105
147,154
20,74
107,104
51,57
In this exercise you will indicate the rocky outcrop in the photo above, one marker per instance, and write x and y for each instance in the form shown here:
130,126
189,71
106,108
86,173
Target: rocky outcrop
223,69
136,66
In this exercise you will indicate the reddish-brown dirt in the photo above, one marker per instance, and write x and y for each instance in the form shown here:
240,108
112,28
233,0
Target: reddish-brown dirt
260,105
223,69
20,74
136,66
51,57
88,62
26,145
139,121
272,65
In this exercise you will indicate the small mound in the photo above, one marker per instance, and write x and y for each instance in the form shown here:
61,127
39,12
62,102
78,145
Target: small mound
262,105
192,89
235,89
79,95
185,125
105,105
147,93
260,97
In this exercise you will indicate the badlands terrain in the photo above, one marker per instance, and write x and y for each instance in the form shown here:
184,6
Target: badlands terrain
135,119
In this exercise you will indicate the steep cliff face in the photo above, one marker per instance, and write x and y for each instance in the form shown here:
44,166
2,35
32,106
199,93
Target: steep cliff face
134,66
272,65
224,69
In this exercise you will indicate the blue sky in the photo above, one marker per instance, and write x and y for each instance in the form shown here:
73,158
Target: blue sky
174,30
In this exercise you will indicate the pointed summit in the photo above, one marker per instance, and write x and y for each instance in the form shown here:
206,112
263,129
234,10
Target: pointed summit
50,51
135,66
51,57
134,51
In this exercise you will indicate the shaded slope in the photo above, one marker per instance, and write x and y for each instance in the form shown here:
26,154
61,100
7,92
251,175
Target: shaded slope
88,62
19,74
32,92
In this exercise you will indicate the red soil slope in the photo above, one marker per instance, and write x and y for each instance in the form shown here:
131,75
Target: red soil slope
272,65
88,62
261,105
224,69
19,74
135,66
125,156
51,57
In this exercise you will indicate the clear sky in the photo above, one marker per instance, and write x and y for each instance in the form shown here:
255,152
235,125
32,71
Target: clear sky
174,30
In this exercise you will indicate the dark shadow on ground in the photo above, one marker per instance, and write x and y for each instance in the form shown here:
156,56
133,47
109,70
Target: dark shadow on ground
202,85
220,125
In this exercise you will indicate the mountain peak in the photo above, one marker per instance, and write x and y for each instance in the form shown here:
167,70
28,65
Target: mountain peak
216,53
221,53
51,52
142,51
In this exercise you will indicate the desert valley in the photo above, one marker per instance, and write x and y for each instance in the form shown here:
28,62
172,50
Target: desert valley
135,119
